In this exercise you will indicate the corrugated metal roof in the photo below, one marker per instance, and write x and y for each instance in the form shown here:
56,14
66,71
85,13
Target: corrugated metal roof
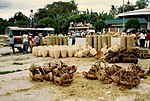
145,11
120,21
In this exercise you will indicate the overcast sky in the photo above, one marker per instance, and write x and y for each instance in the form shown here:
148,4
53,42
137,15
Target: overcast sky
9,7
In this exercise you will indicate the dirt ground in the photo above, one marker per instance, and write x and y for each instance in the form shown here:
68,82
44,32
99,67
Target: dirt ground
15,84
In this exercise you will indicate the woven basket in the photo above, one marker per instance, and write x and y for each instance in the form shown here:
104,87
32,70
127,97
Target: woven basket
99,42
104,40
61,40
109,40
47,40
95,41
57,40
54,40
65,40
90,40
51,40
123,42
87,36
130,42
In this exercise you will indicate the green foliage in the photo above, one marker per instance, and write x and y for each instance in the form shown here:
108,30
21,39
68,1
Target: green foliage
3,24
99,25
56,15
6,72
47,21
17,63
142,4
132,23
21,23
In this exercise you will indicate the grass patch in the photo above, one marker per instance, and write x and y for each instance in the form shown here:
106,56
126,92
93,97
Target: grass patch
6,72
17,63
18,59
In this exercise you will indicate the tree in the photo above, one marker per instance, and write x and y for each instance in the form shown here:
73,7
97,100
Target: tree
132,23
48,22
113,12
142,4
127,7
3,24
99,25
19,19
57,15
57,8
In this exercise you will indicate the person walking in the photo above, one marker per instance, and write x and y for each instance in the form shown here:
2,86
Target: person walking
147,39
11,42
73,38
25,43
31,18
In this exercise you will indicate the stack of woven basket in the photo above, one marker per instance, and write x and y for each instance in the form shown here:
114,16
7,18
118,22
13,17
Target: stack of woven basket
56,71
127,78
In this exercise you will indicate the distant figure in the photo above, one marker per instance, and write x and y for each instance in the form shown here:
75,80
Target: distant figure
147,40
137,39
11,42
82,34
73,38
40,39
32,42
37,40
31,18
142,39
25,43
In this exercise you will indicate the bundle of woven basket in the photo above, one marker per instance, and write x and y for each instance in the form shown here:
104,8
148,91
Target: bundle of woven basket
126,55
127,78
56,71
92,73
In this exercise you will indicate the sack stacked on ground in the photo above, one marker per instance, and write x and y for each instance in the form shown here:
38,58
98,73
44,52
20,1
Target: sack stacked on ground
63,51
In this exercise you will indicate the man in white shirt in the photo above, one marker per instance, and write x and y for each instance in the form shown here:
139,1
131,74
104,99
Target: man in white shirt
25,43
142,37
31,18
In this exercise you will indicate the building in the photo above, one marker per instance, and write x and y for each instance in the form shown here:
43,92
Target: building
80,28
143,16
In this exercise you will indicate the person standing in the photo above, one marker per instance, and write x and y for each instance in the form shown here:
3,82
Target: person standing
25,43
37,40
31,18
40,39
142,39
32,42
147,40
136,38
73,38
11,42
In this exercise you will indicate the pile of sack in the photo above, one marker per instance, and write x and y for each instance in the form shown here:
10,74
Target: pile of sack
63,51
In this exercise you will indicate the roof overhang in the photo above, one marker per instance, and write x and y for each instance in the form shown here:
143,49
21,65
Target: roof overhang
120,21
145,11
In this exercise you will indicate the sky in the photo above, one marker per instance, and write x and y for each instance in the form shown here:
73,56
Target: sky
9,7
